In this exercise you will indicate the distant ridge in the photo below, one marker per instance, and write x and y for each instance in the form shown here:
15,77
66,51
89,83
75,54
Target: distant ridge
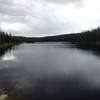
91,37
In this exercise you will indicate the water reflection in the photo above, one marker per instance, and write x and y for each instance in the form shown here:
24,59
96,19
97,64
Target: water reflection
51,71
94,49
8,56
5,50
8,53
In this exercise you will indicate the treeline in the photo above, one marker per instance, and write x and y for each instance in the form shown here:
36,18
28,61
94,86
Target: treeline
87,37
4,37
8,38
84,38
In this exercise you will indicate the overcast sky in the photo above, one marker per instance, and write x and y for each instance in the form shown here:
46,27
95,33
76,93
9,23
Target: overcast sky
48,17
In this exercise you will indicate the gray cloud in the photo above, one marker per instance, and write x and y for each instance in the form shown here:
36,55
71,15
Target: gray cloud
47,17
63,1
12,9
6,2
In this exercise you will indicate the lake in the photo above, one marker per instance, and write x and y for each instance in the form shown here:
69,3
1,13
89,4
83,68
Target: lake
50,71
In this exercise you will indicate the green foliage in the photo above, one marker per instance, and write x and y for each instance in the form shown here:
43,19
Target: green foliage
84,38
5,37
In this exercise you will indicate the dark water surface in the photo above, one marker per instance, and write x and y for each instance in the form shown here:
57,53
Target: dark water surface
50,71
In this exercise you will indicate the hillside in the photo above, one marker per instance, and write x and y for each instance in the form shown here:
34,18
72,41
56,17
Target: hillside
84,38
88,37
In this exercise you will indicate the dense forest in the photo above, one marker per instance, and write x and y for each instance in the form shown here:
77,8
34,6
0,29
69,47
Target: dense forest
6,38
91,37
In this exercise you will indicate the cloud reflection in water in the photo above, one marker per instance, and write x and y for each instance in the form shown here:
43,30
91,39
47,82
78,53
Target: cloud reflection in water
9,56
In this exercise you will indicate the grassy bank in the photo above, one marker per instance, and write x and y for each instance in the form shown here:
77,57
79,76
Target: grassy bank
5,45
98,43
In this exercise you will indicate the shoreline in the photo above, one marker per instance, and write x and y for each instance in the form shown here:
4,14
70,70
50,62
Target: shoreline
6,45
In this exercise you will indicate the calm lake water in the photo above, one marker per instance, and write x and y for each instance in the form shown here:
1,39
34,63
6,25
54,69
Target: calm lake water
50,71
